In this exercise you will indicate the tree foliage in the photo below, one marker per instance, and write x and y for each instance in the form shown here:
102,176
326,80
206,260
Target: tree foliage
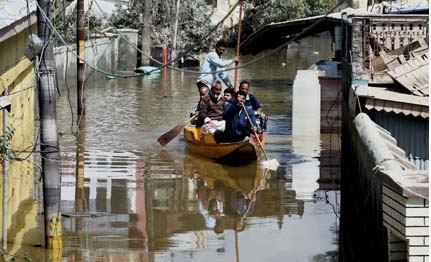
65,22
194,23
261,12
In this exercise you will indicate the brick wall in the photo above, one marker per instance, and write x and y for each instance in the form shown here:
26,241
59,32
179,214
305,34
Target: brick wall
407,219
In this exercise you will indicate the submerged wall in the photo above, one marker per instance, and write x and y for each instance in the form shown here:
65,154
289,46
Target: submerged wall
384,206
111,54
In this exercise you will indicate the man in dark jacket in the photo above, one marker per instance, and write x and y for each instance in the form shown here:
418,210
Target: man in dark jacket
237,122
250,100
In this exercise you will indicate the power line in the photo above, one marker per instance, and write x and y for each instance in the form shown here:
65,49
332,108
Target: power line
178,57
73,53
227,69
297,36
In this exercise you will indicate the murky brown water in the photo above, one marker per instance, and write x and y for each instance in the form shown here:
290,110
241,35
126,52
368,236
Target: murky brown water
164,204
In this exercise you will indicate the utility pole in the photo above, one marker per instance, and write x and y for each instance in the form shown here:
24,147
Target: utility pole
146,32
174,42
49,146
79,175
80,44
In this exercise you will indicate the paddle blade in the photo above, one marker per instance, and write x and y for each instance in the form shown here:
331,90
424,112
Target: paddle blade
271,164
171,134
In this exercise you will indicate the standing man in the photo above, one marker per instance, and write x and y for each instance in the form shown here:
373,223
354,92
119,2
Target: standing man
214,63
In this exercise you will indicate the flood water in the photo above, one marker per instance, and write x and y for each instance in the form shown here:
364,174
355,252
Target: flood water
141,202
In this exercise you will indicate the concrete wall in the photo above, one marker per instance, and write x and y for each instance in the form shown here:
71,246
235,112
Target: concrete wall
389,194
306,132
221,9
362,234
330,104
98,53
127,55
110,54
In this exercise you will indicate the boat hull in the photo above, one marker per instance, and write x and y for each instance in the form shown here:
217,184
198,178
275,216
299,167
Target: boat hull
205,145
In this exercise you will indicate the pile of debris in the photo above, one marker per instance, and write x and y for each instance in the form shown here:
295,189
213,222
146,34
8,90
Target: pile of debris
407,65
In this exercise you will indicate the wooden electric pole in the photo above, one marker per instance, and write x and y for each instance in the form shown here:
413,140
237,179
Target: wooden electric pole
146,32
49,146
80,46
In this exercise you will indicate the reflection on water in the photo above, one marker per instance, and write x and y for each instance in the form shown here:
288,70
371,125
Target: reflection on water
139,203
127,199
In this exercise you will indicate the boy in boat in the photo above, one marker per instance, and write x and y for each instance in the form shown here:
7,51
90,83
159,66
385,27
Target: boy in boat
237,123
214,63
211,108
228,94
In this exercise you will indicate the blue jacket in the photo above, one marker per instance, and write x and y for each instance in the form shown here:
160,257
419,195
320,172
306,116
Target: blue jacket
251,102
214,63
236,120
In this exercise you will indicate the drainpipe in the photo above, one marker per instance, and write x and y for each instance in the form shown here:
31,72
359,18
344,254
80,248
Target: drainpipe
5,177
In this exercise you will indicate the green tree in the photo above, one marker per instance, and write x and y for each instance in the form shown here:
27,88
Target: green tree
194,23
261,12
65,22
319,7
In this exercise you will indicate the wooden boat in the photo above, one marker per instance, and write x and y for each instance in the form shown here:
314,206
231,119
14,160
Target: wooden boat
205,145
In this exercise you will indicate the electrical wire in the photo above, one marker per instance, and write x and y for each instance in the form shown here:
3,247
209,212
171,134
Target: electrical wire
178,57
74,54
239,66
297,36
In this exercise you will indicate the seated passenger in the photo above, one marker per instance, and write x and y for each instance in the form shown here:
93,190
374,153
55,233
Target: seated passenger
237,123
211,109
229,94
203,91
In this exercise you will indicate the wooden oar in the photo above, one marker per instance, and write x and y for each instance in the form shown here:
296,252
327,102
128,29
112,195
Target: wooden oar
171,134
238,43
269,163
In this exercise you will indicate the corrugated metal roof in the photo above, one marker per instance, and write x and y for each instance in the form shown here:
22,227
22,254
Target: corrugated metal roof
16,17
275,34
389,101
413,75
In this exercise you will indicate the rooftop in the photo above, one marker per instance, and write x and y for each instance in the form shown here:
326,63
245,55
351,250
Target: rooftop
15,16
